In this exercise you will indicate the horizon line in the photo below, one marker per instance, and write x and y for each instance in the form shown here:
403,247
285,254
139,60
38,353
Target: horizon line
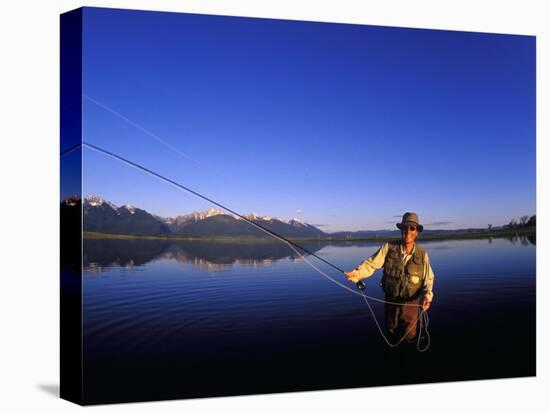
76,196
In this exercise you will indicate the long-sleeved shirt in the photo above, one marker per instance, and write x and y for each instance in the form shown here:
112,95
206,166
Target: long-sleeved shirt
375,262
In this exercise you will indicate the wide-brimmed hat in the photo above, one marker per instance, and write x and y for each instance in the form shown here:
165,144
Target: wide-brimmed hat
410,218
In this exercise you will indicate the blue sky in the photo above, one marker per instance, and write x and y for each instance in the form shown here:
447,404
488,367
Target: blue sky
343,126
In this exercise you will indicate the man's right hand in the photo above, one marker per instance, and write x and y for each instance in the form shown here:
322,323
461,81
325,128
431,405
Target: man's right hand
351,276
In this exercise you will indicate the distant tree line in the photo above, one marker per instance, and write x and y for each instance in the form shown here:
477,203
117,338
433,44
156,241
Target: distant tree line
523,222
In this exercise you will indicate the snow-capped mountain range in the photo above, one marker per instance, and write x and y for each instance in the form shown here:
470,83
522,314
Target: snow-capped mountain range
101,215
193,216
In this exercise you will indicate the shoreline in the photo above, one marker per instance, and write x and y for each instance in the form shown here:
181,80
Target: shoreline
429,237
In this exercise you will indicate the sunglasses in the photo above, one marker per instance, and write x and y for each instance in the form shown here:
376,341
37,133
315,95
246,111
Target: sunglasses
407,228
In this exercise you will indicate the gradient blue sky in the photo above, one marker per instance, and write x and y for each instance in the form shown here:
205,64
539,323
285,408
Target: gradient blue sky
344,126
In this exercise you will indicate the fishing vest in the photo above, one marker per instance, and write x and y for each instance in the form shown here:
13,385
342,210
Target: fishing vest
403,281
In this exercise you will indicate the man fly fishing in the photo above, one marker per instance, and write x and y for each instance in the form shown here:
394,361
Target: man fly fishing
407,280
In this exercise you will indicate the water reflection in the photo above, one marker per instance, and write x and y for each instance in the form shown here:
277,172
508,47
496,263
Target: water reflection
519,239
99,253
208,255
215,255
523,239
285,324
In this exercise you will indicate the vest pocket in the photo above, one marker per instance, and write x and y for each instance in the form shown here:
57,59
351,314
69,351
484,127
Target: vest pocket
390,285
412,286
414,269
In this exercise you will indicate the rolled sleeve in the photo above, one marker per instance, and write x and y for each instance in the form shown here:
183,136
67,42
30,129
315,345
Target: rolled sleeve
370,265
428,279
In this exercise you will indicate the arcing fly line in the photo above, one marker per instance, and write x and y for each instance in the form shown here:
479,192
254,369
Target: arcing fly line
71,149
142,168
423,316
152,135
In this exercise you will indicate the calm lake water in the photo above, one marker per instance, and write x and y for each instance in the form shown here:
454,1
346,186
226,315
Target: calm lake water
190,319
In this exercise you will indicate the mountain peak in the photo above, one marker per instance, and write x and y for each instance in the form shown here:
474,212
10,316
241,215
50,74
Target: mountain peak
130,208
296,222
212,212
93,200
200,215
255,217
96,201
193,216
72,200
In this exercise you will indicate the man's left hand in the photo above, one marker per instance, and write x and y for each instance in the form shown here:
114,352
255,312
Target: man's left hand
426,304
